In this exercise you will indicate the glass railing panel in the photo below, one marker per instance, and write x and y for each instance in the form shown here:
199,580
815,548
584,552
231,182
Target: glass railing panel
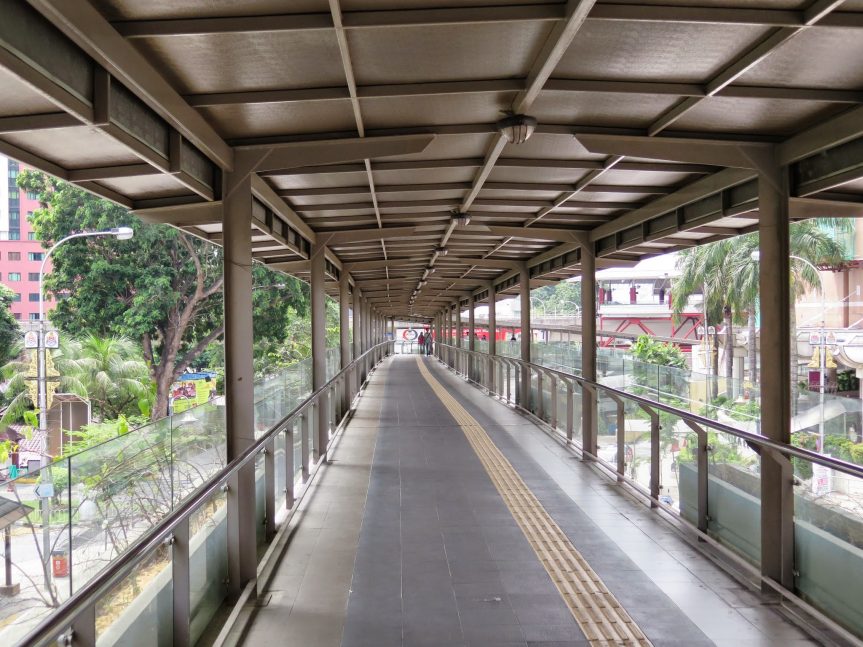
125,487
828,540
37,560
198,445
139,610
208,563
734,495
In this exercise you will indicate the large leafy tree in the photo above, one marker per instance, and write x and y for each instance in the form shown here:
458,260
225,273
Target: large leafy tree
162,288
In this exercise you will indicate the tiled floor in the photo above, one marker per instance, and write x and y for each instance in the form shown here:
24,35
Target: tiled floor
432,555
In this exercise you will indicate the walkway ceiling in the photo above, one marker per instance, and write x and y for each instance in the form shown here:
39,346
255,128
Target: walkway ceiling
648,117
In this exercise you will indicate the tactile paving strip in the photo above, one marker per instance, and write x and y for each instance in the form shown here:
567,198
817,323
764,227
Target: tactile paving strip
602,619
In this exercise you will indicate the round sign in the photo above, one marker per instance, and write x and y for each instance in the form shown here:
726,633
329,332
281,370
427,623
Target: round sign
410,334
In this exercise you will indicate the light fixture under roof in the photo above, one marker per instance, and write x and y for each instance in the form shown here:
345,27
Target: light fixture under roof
442,251
461,219
517,128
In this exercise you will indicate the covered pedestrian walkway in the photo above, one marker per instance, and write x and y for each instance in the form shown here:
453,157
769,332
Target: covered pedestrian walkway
447,518
415,159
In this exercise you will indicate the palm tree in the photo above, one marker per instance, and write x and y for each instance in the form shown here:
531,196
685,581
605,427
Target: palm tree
808,240
706,269
110,372
730,276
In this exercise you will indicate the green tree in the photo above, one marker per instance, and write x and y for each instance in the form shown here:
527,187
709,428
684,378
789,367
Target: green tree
10,333
163,287
110,372
731,275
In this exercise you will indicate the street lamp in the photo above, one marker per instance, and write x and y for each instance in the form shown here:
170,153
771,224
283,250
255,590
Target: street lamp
822,342
121,233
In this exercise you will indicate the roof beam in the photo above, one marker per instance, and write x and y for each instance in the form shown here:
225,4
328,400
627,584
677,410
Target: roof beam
350,19
87,28
203,213
737,68
330,151
362,235
264,192
698,151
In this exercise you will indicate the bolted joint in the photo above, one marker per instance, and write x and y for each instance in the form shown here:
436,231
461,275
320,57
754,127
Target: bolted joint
169,540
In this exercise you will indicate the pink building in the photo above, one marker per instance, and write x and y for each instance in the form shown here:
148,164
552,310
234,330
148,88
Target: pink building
20,253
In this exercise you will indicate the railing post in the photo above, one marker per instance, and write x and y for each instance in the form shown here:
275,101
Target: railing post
655,485
304,439
181,585
540,400
289,466
620,436
270,488
570,406
553,389
703,474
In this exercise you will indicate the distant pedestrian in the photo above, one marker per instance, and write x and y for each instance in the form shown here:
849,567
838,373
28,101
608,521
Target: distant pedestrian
421,340
428,343
662,295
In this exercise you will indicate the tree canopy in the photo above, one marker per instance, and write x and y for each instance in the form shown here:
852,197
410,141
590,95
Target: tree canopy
162,288
9,330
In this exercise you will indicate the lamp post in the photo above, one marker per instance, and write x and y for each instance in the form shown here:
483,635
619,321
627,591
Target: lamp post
121,233
822,343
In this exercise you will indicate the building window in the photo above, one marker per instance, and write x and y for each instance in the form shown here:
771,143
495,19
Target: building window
34,316
32,276
14,235
32,195
14,256
35,256
31,235
34,297
17,315
14,276
16,297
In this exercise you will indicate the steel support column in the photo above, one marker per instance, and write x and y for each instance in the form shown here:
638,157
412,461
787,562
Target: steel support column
239,377
458,327
524,296
471,337
344,337
777,496
319,344
358,329
588,346
492,335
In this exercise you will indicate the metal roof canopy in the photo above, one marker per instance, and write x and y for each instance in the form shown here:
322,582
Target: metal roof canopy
366,123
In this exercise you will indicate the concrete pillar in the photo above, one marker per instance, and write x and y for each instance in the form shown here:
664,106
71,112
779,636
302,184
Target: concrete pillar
524,295
777,496
588,346
358,333
319,344
239,377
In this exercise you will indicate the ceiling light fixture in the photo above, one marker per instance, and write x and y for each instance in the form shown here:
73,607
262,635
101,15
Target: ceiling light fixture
461,219
517,128
442,251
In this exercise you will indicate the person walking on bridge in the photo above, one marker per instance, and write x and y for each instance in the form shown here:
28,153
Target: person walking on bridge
428,341
421,341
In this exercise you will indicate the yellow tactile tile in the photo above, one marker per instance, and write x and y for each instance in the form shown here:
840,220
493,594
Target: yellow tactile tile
601,617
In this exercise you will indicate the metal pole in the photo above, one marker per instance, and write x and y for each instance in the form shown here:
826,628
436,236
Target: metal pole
492,333
588,346
319,344
357,322
777,508
344,318
239,376
524,295
471,336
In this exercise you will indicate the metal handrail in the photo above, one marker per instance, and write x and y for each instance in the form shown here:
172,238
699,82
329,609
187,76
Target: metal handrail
52,627
807,454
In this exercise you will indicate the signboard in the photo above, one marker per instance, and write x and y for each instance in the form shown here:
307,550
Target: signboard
31,339
52,339
45,490
410,335
822,480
